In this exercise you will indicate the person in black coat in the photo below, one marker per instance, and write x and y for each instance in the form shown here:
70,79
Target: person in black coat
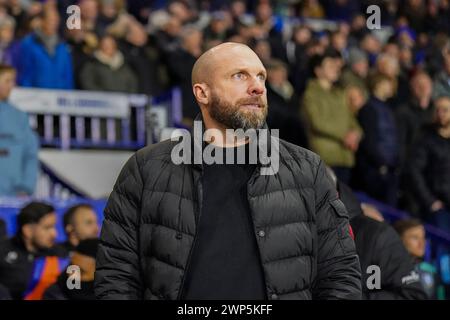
83,257
378,154
201,230
377,244
180,63
429,167
284,105
411,117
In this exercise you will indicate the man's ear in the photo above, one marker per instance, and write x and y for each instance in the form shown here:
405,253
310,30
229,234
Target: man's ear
69,229
201,93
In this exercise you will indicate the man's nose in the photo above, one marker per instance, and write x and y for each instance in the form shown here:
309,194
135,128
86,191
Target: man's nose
256,87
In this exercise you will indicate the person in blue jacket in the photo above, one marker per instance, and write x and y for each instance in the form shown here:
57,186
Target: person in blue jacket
18,143
45,60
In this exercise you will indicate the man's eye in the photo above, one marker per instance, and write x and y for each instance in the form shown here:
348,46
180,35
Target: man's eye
262,77
239,76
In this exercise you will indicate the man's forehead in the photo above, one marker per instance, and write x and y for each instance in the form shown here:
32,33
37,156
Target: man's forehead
222,59
443,103
239,60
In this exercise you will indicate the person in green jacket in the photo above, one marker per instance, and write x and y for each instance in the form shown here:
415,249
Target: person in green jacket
332,129
108,70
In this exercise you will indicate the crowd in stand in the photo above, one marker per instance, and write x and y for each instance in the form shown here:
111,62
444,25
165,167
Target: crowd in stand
376,108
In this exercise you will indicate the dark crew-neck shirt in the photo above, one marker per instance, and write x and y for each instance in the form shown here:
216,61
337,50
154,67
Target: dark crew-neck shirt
225,262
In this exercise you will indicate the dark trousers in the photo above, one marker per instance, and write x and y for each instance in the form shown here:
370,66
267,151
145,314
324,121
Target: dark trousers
380,183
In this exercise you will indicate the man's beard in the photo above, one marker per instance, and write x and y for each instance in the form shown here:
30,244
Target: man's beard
234,117
40,246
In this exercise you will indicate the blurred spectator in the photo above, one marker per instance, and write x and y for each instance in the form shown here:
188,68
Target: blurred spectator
18,11
356,72
429,167
377,244
262,49
415,113
333,131
146,62
358,30
83,41
140,9
182,11
372,46
24,269
391,49
269,27
312,9
298,58
80,223
9,47
341,10
237,9
45,60
356,98
180,64
83,256
378,155
112,14
283,105
166,31
387,64
338,41
218,27
89,10
434,59
108,70
372,212
126,28
442,80
437,17
415,11
412,233
18,143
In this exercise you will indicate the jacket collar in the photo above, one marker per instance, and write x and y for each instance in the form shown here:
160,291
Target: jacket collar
198,144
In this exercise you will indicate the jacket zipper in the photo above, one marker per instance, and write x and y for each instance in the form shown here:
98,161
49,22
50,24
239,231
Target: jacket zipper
199,209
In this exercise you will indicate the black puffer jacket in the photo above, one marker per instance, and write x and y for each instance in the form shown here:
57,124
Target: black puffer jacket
429,168
377,244
301,228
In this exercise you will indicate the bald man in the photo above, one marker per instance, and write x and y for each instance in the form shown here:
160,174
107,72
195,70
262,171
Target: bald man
226,229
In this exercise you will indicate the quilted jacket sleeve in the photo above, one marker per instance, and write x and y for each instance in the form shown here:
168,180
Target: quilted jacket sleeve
338,268
118,274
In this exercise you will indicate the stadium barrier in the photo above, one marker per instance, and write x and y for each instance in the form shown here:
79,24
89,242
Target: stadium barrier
86,119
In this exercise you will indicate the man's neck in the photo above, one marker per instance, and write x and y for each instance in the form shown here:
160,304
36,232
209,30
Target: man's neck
47,34
423,102
380,96
29,246
325,84
73,241
444,132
